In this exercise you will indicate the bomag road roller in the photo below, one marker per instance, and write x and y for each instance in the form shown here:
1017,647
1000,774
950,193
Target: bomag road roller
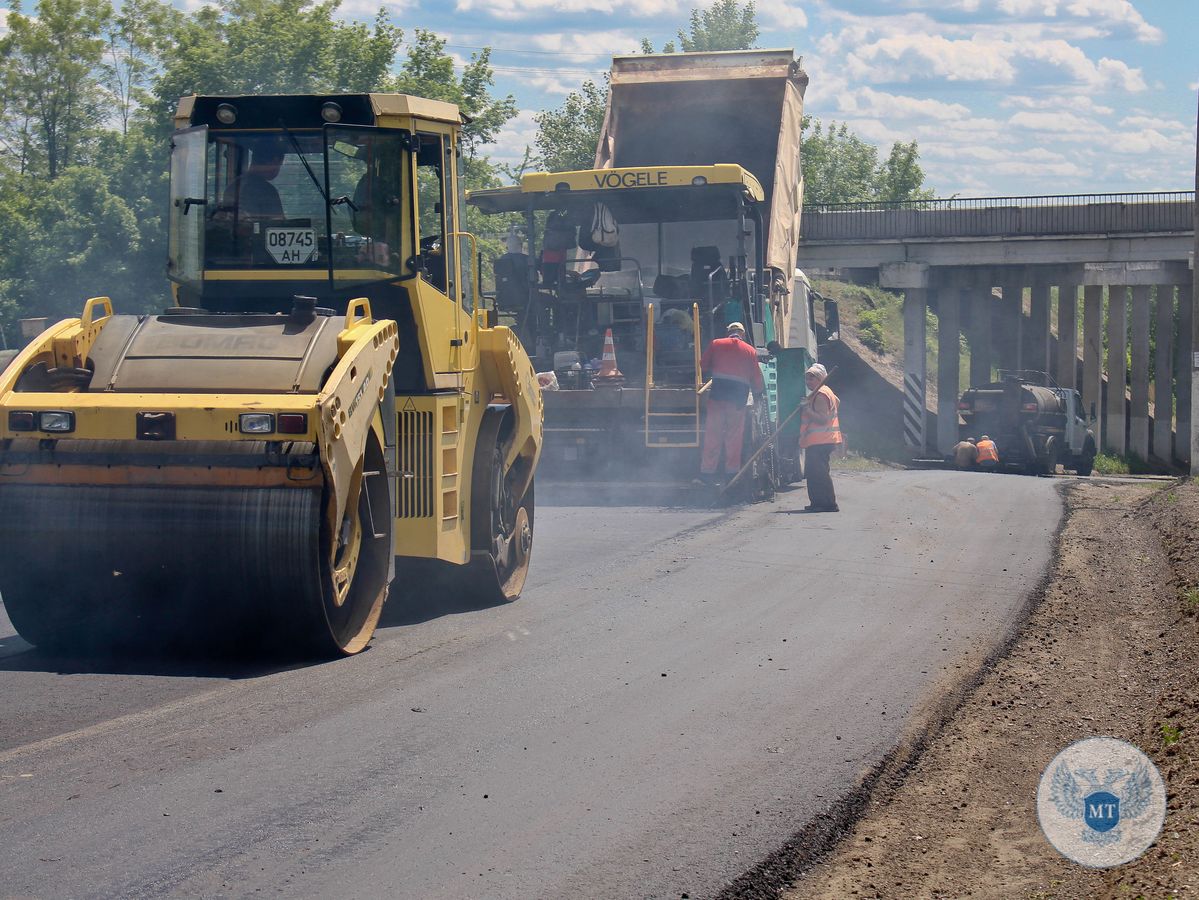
323,410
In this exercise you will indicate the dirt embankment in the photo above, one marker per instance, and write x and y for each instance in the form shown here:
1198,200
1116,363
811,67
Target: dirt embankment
1111,649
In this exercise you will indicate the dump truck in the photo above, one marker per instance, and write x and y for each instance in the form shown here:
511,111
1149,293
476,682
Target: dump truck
324,410
1035,426
738,106
673,235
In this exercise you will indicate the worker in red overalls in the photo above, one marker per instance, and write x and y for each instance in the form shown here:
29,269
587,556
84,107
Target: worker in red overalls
732,364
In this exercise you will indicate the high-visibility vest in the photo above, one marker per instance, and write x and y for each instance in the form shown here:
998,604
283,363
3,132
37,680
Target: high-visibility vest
987,452
820,428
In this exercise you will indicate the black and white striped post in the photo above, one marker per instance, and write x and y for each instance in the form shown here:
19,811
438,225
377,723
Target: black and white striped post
912,279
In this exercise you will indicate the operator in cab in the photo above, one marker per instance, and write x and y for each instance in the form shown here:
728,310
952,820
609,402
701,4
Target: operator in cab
732,364
253,193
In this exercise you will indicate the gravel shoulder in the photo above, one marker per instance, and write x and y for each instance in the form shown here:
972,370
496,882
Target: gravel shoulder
1111,649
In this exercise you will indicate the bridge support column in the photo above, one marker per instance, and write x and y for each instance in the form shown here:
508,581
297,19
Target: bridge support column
949,348
1114,437
912,279
1138,413
1092,357
1037,342
1182,375
1067,335
979,334
1163,374
1007,350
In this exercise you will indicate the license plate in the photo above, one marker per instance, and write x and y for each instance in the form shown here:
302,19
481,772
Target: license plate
291,246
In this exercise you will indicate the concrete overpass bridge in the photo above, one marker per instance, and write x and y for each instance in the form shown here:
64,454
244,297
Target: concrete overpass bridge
992,267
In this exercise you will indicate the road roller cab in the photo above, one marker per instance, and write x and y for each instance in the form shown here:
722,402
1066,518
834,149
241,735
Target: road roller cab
324,408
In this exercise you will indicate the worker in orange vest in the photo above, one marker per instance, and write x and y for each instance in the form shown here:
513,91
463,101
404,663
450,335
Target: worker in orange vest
988,454
733,367
819,436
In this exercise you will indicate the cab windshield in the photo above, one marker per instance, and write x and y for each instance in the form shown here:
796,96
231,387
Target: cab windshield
321,202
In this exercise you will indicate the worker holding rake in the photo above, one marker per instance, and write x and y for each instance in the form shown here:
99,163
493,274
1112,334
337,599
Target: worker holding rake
819,436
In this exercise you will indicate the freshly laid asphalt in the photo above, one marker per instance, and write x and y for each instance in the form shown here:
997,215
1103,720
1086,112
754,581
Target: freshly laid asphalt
677,692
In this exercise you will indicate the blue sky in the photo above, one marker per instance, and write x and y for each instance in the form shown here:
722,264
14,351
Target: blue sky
1003,96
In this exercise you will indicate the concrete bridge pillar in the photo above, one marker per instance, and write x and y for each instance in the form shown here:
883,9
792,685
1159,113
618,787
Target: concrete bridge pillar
912,279
1067,336
1037,342
1007,343
982,304
1117,368
948,367
1163,374
1092,356
1138,419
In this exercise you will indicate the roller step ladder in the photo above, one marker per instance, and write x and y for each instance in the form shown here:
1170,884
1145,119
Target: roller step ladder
672,417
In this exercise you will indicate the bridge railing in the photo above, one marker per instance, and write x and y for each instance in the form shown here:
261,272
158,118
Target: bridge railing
1151,212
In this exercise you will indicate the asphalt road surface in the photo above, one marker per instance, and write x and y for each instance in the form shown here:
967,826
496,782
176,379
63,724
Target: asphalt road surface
677,693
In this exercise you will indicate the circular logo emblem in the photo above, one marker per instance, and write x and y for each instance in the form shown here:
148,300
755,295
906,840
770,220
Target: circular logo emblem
1101,802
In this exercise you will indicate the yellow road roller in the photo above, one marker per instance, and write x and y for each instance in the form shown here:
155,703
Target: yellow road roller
325,409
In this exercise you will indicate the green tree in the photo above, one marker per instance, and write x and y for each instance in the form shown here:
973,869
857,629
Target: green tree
132,39
428,71
900,176
53,101
272,47
567,137
840,167
725,25
64,240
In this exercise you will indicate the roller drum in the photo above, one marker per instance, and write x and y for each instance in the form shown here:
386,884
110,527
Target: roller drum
238,566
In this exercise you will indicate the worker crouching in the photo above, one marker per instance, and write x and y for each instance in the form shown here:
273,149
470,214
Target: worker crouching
988,454
732,364
819,436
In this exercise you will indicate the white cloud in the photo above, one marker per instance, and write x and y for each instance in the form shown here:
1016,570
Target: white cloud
869,102
513,137
586,46
1082,103
912,56
559,85
781,14
531,9
1063,125
1156,123
362,9
1120,14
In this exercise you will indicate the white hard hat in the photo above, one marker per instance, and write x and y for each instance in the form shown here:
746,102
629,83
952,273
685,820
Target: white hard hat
735,326
818,370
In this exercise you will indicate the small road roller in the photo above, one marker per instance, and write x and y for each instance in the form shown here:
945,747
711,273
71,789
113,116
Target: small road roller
324,410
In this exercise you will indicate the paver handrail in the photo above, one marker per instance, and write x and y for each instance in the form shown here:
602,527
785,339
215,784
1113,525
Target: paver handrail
1150,212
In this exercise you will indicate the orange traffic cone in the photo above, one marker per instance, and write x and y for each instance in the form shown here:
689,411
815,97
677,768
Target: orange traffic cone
608,363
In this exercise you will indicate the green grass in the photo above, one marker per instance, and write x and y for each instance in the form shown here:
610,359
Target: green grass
855,462
1190,598
1107,464
876,316
1170,734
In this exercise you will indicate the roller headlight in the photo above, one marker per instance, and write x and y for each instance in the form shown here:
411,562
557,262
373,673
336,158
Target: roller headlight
58,422
256,423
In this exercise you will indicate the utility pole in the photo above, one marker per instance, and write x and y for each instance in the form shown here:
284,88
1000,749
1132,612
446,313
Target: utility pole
1195,318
